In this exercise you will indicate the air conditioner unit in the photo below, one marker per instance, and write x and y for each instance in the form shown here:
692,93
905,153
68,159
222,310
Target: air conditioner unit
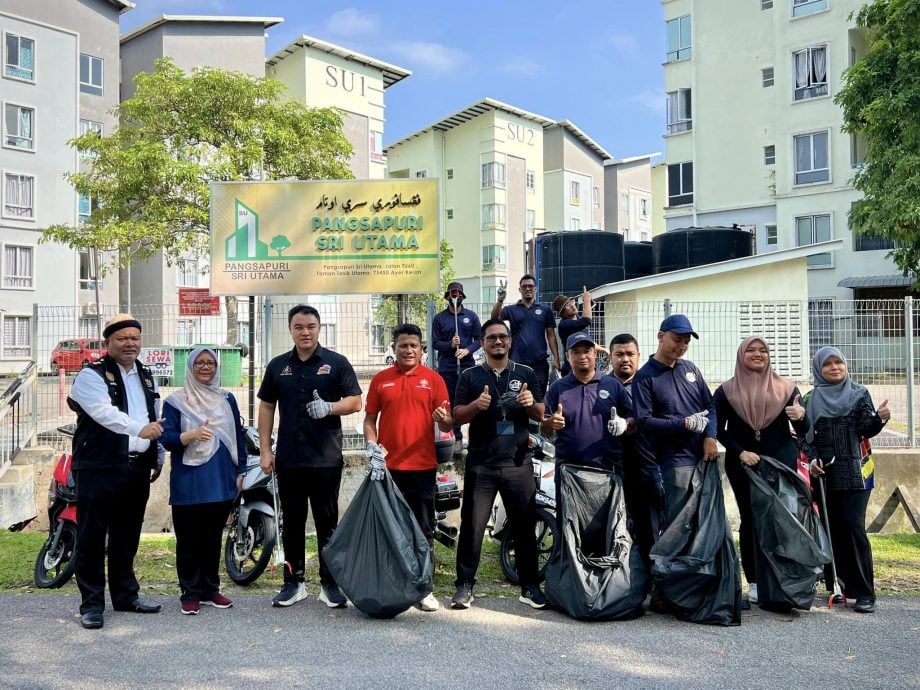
89,310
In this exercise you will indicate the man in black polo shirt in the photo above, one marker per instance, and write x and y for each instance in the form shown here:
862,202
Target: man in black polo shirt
314,388
498,399
532,327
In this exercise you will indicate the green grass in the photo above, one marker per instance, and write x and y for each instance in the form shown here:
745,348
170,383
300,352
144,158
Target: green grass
896,557
155,567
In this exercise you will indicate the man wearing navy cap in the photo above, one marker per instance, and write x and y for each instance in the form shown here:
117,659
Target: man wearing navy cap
588,412
456,334
675,411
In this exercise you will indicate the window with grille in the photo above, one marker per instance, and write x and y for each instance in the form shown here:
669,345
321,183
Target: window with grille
767,77
19,57
18,196
17,336
18,267
678,36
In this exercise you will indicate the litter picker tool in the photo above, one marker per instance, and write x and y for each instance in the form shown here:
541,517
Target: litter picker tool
278,551
835,586
454,301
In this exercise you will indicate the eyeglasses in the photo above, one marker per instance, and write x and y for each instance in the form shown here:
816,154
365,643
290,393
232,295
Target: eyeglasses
496,338
528,287
205,365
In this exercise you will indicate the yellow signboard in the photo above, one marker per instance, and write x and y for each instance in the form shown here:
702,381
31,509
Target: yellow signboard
324,237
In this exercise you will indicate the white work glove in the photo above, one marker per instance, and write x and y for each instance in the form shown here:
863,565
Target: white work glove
617,425
697,422
377,455
319,408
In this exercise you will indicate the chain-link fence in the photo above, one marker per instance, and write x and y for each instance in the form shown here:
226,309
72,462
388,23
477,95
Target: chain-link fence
872,334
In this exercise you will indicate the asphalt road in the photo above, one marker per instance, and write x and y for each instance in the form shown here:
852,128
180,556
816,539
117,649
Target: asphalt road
497,643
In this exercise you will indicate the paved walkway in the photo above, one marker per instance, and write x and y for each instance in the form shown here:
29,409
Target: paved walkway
498,643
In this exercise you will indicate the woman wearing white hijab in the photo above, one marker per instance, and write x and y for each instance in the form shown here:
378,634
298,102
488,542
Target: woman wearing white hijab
203,432
841,415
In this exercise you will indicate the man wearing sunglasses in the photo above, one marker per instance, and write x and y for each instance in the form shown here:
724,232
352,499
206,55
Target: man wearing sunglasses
533,327
498,399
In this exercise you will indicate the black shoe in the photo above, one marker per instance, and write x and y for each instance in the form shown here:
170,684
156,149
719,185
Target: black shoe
838,599
533,597
864,605
138,606
463,597
332,596
91,620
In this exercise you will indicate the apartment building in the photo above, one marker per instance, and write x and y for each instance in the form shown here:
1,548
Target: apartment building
629,192
326,75
753,136
59,80
573,174
506,175
489,158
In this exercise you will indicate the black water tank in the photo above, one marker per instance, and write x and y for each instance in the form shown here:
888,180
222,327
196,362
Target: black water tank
689,247
570,260
640,261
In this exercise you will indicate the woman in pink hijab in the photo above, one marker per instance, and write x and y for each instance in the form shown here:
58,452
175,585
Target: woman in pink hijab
754,409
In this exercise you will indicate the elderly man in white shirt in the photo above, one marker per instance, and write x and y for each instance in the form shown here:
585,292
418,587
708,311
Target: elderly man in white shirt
116,457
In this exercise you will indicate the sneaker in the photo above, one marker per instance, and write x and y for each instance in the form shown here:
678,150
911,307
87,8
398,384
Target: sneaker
533,597
429,603
332,596
190,607
218,601
463,597
864,605
752,593
291,593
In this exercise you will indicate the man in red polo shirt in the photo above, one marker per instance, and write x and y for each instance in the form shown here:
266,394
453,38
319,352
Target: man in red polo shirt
408,398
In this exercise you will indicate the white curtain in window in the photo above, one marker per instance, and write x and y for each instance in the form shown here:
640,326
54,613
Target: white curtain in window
819,65
18,195
25,123
802,154
801,69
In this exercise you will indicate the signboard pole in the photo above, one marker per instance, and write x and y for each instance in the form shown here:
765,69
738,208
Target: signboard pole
252,360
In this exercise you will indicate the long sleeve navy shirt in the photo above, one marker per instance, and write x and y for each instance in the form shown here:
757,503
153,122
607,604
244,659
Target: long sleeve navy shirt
663,397
442,332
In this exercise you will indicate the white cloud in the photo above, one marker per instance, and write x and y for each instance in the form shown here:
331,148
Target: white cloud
352,22
429,58
625,44
521,66
652,101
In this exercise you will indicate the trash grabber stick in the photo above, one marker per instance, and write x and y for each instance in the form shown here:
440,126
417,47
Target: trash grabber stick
453,301
825,518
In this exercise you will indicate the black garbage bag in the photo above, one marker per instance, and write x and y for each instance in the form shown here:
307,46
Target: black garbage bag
378,554
694,564
594,573
793,546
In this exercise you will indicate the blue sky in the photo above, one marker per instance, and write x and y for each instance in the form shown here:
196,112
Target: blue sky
594,62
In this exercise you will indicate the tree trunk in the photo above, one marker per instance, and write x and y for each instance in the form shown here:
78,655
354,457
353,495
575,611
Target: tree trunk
233,323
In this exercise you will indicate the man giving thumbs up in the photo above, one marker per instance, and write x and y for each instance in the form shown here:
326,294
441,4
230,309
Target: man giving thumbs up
498,399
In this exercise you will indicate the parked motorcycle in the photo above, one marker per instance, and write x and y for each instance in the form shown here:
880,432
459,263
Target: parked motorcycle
57,558
255,522
544,464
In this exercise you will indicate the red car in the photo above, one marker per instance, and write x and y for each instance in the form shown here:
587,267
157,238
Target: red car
76,353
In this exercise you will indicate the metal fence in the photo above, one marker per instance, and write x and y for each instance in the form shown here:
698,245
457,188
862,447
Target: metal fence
872,334
17,416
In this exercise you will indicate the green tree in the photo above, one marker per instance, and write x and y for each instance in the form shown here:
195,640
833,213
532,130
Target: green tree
881,104
394,309
280,243
149,179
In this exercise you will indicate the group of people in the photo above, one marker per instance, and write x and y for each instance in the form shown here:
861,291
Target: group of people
650,424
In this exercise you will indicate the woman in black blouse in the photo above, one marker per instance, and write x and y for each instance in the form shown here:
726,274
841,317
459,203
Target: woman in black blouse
841,415
754,409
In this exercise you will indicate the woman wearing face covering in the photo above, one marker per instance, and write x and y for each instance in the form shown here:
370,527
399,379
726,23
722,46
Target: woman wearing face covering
841,414
204,434
754,409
